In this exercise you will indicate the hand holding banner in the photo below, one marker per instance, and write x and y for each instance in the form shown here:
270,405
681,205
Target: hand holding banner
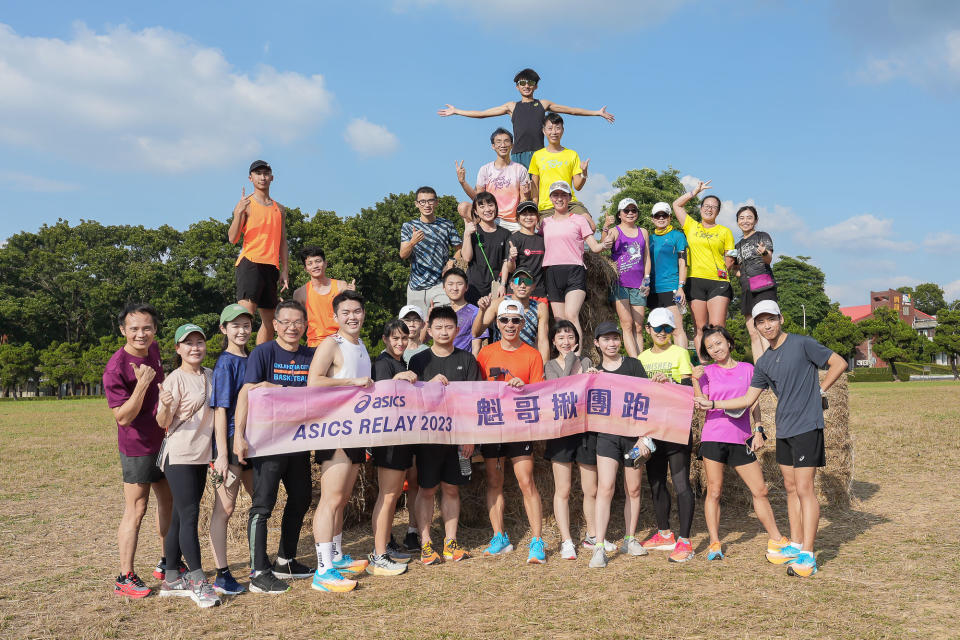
285,420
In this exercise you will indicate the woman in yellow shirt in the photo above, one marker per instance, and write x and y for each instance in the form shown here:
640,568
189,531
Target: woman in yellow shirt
708,284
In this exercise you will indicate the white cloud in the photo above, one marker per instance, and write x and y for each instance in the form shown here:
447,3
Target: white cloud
779,219
858,233
951,291
596,193
17,181
369,139
151,99
934,60
944,241
615,14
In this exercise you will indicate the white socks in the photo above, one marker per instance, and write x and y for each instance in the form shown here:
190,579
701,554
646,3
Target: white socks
338,546
324,556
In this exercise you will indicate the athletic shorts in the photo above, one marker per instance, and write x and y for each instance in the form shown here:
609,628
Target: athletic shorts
231,456
438,463
423,298
616,447
748,299
522,157
706,289
258,283
635,296
578,447
563,278
734,455
398,457
506,450
357,455
804,450
666,448
140,469
661,300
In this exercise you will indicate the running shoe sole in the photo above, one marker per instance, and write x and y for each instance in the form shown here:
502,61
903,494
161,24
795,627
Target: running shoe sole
801,571
687,558
256,589
331,587
134,595
225,592
374,570
778,559
661,547
174,593
506,549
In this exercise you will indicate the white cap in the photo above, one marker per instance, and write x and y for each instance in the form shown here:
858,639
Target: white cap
660,206
412,308
659,317
626,202
765,306
560,185
509,306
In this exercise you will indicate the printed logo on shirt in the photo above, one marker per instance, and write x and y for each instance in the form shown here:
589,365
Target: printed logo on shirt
554,163
532,252
290,371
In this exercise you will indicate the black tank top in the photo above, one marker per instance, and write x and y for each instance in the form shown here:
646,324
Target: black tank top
527,126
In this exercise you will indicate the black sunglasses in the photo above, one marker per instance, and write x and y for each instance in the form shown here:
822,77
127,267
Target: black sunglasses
509,320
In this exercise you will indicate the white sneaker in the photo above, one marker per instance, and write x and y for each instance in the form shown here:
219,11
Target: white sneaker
599,559
568,550
633,547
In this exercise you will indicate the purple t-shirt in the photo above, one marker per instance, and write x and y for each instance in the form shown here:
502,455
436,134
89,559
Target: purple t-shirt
465,317
628,254
718,383
142,437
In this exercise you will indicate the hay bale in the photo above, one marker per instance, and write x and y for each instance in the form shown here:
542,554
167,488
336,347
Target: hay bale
833,483
597,307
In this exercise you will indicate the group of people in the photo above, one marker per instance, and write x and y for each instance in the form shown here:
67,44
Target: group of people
512,316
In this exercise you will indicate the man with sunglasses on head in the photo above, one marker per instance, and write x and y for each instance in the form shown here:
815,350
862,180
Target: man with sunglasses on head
527,115
536,326
513,361
427,242
668,269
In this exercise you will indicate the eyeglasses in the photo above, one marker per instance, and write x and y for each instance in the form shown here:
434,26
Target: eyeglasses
663,328
661,216
424,203
709,207
526,83
523,280
290,323
509,320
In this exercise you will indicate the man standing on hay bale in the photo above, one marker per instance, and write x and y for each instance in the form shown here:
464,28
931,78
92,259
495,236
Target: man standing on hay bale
513,361
789,368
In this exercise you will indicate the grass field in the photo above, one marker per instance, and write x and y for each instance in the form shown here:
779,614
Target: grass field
888,565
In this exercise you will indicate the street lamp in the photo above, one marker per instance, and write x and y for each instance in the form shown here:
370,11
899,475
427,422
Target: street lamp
804,307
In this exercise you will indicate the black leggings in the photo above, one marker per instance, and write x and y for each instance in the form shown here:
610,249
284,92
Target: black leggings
268,472
678,457
186,484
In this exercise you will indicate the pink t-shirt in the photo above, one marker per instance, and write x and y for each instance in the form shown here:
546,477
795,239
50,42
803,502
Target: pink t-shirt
504,184
718,383
563,239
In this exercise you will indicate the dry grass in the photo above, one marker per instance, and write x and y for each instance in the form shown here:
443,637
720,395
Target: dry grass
888,564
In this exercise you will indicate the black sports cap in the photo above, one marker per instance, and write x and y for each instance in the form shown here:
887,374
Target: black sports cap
259,164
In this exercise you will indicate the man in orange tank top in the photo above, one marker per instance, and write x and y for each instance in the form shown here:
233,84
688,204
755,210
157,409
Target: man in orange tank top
318,294
264,259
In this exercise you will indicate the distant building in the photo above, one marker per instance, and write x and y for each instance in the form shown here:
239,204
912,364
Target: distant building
922,323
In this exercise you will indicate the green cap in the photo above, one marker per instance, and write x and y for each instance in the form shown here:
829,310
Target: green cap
186,329
232,312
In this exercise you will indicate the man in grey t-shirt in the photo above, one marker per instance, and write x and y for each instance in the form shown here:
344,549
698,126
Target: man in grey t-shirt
789,367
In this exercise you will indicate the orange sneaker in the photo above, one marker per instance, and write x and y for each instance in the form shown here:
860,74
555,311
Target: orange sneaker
428,556
453,551
683,551
660,541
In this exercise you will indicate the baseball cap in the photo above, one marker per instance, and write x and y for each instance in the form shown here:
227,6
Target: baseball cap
509,306
606,327
626,202
660,207
517,272
232,312
765,306
412,308
259,164
527,204
560,185
659,317
186,329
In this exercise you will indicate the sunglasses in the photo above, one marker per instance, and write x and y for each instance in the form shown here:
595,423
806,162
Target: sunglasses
663,328
660,216
509,320
526,83
631,210
523,280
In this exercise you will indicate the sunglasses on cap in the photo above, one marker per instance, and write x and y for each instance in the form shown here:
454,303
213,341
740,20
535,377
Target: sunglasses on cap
663,328
523,280
513,320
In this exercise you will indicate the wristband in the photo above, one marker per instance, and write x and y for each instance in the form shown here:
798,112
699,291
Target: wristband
713,404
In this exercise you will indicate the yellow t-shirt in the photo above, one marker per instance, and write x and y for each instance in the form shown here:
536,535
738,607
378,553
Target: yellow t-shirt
550,167
673,361
706,248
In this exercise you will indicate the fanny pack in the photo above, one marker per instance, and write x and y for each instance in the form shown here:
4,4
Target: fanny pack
760,282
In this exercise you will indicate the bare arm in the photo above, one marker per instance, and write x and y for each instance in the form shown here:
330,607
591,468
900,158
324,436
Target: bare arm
451,110
284,250
220,435
678,204
543,331
129,410
646,253
466,249
580,179
239,217
597,246
240,422
406,248
535,188
577,111
744,401
324,360
837,365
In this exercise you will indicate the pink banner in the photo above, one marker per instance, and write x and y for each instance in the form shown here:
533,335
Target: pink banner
286,420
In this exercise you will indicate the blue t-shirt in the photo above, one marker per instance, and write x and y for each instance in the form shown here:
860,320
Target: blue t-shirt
664,253
431,254
270,362
228,376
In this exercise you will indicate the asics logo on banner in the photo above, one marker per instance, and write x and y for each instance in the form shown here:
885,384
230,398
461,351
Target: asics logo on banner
379,402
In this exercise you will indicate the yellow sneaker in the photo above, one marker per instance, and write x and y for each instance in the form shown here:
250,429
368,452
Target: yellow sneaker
453,551
428,555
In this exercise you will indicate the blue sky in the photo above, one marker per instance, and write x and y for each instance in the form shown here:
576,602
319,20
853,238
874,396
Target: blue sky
838,120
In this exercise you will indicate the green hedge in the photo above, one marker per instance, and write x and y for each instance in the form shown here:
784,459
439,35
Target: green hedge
906,369
43,398
873,374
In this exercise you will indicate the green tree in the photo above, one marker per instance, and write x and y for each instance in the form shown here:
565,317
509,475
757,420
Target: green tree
18,364
839,333
894,341
928,297
648,187
95,358
947,336
60,364
800,291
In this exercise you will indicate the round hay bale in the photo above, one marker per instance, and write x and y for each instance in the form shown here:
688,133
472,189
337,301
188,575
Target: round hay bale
833,483
597,308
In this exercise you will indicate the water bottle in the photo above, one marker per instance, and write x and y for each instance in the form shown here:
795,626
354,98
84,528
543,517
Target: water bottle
634,456
677,300
466,467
